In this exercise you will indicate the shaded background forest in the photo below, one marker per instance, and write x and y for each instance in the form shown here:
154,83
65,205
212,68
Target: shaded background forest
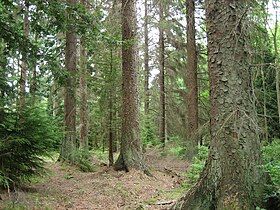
32,38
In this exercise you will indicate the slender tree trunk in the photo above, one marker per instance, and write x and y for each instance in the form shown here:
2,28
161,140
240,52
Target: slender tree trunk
22,90
146,61
162,129
264,104
131,154
83,94
69,142
191,80
33,85
3,65
277,69
111,155
232,178
83,97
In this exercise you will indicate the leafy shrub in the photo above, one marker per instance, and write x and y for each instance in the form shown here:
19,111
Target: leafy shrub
23,143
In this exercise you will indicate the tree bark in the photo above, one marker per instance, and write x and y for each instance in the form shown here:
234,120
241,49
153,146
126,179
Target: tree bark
162,133
232,177
83,93
33,85
131,154
277,69
146,60
191,80
23,74
111,140
69,142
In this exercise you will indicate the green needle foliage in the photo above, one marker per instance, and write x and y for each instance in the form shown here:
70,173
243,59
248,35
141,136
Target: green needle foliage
24,143
196,167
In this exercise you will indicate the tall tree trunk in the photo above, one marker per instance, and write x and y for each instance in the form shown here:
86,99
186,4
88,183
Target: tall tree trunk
83,93
146,61
83,97
111,154
162,123
22,90
277,69
131,154
232,178
69,142
191,80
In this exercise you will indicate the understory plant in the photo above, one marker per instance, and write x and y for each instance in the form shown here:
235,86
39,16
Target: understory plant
25,139
196,167
81,159
271,159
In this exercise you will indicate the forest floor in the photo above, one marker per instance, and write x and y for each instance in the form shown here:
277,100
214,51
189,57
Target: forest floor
66,187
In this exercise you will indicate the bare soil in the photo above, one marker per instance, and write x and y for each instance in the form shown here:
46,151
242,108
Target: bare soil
68,188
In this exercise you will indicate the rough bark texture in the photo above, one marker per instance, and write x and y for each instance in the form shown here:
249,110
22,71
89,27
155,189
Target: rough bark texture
232,178
146,60
69,141
191,80
162,123
131,155
23,73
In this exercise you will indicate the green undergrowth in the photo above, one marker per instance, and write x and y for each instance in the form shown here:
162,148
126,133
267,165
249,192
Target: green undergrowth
26,140
195,169
193,173
271,159
81,159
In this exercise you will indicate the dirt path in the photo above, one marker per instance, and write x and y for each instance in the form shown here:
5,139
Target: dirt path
68,188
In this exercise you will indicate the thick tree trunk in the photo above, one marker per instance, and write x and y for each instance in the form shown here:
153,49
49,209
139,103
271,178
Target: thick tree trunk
162,114
131,155
23,73
232,178
191,80
69,142
146,61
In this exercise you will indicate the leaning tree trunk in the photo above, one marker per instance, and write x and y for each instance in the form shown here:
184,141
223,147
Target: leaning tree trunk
69,141
191,80
232,178
131,155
